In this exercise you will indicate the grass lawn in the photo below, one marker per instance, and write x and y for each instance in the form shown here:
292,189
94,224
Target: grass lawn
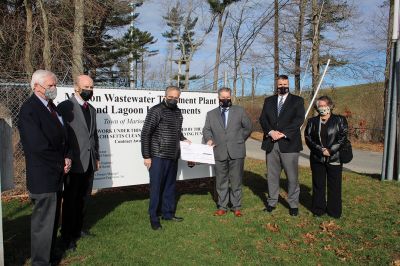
368,232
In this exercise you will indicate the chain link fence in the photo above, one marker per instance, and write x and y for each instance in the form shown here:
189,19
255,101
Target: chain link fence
12,96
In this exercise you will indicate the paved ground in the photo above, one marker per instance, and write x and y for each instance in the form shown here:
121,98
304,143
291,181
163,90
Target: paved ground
366,162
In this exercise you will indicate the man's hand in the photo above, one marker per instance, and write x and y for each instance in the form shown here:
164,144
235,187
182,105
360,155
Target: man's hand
187,141
210,143
97,165
276,135
147,163
325,152
67,165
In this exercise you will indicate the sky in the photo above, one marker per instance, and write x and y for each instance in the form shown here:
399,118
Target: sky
150,19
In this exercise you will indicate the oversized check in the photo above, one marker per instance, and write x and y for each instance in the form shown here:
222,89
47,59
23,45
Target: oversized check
199,153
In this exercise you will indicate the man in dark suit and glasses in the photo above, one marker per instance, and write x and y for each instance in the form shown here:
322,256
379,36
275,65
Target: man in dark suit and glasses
80,117
44,141
281,119
226,128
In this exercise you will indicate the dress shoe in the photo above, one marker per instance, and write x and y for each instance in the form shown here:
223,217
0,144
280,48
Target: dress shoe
238,213
219,212
155,225
269,208
173,219
85,234
69,246
294,211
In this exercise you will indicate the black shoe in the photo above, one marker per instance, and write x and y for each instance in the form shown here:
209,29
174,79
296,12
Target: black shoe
69,246
155,225
173,219
85,234
294,211
269,208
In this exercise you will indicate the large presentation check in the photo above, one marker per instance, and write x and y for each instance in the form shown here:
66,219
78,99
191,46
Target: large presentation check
198,153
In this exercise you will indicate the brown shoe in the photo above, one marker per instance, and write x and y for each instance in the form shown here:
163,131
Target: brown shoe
238,213
219,213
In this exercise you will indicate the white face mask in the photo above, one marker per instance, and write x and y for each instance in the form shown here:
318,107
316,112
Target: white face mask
50,94
324,110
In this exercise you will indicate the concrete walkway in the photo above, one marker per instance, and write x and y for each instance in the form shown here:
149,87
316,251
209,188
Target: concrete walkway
365,162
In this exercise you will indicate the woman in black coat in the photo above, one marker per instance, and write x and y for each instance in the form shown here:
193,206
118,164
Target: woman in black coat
325,134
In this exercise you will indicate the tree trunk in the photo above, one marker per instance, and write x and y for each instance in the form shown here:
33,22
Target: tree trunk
142,62
242,83
299,40
389,46
28,39
77,43
221,25
276,43
253,88
136,73
187,70
46,38
315,47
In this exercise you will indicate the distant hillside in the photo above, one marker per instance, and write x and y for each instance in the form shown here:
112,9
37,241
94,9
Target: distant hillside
361,104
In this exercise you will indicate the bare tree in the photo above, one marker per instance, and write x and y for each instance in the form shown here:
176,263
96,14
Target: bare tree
77,44
220,11
315,45
28,39
276,42
299,42
46,38
388,43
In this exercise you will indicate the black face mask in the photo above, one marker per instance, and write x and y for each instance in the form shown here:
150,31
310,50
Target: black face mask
171,103
86,95
225,103
282,90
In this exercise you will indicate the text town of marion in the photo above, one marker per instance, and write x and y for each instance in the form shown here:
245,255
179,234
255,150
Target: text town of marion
112,98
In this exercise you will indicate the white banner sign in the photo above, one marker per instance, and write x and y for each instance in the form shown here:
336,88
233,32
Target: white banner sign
120,118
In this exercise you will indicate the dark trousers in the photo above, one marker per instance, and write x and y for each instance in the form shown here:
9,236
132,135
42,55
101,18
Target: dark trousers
229,172
44,225
329,176
77,191
162,187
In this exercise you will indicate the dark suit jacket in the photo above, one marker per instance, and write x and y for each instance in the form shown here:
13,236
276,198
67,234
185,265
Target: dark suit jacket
83,140
229,141
288,122
44,141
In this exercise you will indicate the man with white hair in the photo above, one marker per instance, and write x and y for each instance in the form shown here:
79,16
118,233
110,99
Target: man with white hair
44,140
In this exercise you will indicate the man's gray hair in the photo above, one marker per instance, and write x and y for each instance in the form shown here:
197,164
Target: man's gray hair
224,89
39,76
172,88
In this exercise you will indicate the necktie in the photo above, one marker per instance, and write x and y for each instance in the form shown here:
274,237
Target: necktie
52,109
223,116
85,105
280,104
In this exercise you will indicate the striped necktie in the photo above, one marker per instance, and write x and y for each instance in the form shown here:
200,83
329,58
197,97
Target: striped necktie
280,104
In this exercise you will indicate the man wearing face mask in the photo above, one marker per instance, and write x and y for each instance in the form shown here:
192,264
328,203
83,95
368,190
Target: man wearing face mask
44,140
281,119
84,146
161,134
226,129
